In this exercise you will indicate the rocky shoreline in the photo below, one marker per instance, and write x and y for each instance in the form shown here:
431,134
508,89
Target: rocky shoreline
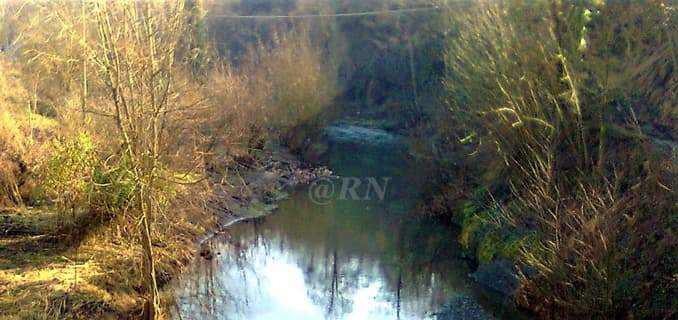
463,308
252,190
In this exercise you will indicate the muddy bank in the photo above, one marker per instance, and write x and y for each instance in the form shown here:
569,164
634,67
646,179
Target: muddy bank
251,190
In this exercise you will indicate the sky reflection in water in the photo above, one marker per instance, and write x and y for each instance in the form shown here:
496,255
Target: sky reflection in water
349,259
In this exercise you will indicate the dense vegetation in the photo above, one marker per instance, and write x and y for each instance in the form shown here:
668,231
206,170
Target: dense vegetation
115,131
569,110
553,124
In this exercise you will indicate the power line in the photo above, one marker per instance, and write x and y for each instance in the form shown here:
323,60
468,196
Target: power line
321,15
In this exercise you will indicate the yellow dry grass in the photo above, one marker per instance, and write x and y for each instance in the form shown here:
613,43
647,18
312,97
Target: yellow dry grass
50,271
20,128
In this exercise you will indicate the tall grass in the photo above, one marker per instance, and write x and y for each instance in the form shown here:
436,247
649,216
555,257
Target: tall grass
13,138
513,84
545,87
298,85
10,141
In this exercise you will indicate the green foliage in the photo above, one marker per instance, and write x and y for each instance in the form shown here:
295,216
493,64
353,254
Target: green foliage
68,170
468,210
488,249
477,232
470,233
113,189
515,246
487,240
76,179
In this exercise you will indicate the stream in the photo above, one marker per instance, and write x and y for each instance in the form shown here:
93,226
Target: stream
345,257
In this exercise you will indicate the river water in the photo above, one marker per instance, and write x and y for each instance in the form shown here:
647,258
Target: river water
345,257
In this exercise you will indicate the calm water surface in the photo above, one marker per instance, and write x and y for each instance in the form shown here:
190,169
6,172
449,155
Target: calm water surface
347,259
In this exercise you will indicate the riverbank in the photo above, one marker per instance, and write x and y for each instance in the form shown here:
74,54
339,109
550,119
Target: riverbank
81,267
388,260
630,227
472,192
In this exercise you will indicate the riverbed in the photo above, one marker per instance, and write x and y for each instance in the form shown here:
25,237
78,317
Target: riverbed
358,252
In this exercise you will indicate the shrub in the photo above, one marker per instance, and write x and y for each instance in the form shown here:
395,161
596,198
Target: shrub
299,86
12,138
553,88
237,129
68,170
112,189
11,144
488,248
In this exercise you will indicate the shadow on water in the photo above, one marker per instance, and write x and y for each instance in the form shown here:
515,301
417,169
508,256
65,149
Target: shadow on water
346,259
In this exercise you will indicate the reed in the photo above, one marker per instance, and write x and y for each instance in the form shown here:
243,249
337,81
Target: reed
534,83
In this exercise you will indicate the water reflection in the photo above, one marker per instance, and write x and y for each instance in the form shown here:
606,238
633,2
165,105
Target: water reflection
349,259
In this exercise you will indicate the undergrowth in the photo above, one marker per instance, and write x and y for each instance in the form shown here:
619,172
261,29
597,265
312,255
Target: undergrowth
76,171
565,110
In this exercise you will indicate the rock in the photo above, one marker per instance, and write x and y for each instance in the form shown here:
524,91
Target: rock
299,176
463,308
499,275
253,209
273,196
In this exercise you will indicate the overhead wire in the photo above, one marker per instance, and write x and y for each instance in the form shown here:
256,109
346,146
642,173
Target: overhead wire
328,15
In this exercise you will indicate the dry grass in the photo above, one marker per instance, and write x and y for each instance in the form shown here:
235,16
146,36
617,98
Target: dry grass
296,84
647,42
530,84
595,248
88,268
513,87
20,129
85,261
12,139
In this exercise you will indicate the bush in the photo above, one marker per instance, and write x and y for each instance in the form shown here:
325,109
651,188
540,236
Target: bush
68,170
11,145
487,240
12,139
299,86
571,96
112,190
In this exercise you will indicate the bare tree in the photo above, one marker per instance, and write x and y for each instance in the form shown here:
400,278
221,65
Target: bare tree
134,56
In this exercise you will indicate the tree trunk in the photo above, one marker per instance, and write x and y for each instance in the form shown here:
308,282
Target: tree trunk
153,303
